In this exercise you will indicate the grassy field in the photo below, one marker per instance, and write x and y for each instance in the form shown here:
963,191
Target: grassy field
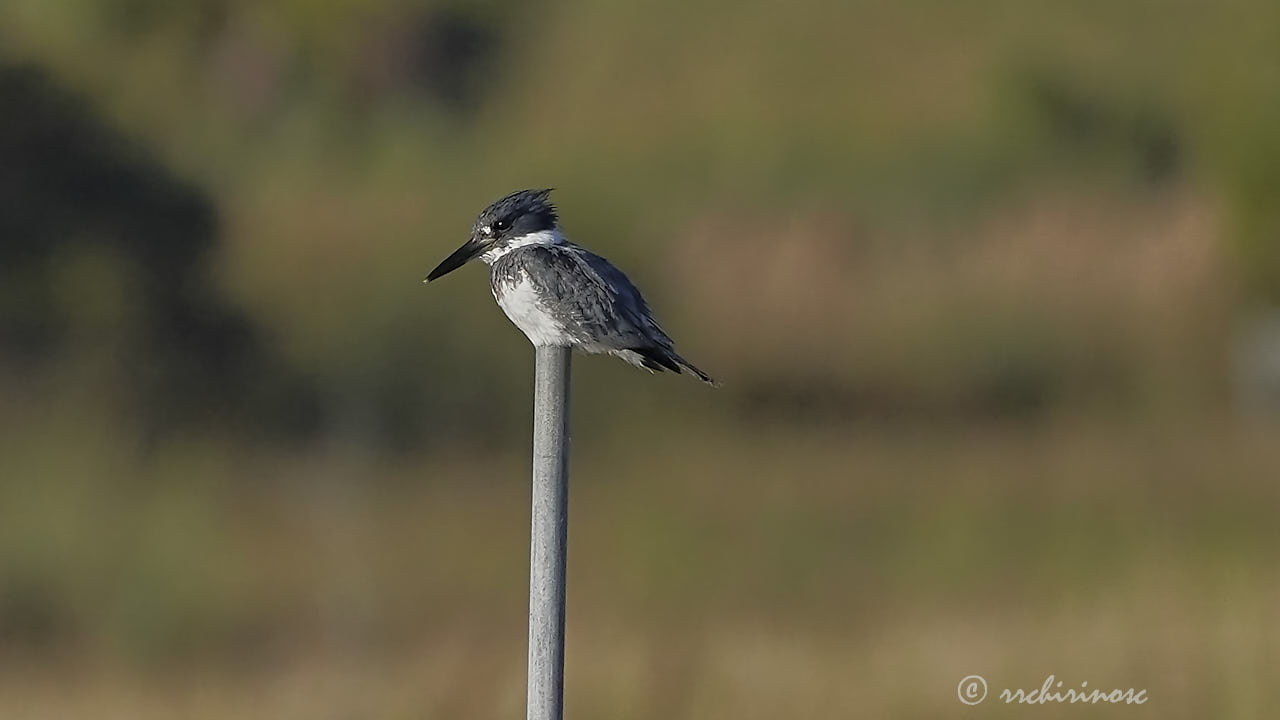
835,571
974,277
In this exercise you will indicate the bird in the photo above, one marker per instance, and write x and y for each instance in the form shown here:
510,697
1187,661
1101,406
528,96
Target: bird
560,294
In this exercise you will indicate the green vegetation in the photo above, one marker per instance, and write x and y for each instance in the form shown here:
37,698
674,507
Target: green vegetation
969,273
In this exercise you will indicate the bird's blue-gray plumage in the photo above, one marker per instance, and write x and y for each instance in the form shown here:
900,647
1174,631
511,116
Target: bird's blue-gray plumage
524,212
559,293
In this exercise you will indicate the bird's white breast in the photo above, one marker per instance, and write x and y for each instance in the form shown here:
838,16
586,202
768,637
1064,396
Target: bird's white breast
521,304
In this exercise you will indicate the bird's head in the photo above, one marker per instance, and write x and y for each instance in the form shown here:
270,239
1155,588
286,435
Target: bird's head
523,217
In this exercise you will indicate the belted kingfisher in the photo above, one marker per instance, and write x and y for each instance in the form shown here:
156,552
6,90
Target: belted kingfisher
560,294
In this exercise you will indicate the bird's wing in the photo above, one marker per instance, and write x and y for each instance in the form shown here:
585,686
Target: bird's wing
627,297
597,299
657,349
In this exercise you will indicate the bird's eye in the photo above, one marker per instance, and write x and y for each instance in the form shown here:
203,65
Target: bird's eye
500,225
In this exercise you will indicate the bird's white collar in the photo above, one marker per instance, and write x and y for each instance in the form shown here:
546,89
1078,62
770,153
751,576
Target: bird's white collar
542,237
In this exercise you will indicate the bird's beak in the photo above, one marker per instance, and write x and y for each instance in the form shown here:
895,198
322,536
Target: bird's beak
469,249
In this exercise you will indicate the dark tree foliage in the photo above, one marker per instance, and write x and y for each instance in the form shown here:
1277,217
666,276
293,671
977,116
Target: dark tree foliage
68,182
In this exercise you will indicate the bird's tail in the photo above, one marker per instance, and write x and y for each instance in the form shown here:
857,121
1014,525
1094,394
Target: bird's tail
691,368
659,359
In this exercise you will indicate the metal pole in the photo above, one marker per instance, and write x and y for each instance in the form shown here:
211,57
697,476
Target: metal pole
548,535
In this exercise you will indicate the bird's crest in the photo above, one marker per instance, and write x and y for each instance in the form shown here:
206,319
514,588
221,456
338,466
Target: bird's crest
521,202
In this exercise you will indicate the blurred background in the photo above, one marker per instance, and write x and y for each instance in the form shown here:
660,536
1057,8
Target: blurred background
990,287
